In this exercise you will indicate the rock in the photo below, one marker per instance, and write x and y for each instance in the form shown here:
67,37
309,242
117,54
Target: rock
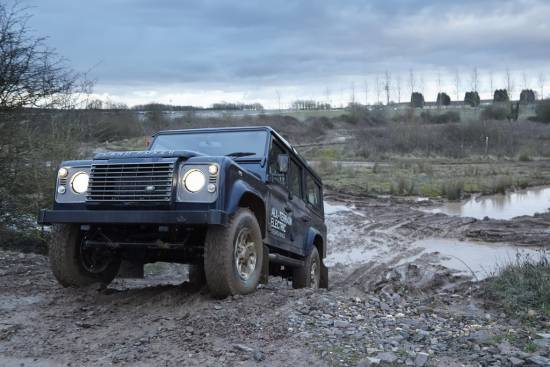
481,337
369,361
217,307
259,356
341,324
243,348
516,361
387,357
539,360
542,343
421,359
544,335
505,348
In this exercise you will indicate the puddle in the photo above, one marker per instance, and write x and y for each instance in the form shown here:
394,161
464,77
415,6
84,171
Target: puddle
513,204
479,258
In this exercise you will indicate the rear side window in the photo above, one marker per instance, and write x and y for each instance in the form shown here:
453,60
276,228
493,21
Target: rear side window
295,179
273,169
313,192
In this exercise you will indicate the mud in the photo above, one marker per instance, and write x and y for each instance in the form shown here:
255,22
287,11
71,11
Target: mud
397,297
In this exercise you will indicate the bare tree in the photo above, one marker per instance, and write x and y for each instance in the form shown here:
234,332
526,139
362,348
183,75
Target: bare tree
352,92
378,89
457,84
491,83
525,80
412,81
31,74
398,87
387,86
474,78
509,82
278,94
541,81
327,96
366,92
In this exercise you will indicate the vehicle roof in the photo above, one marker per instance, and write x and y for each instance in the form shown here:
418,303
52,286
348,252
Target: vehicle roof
246,128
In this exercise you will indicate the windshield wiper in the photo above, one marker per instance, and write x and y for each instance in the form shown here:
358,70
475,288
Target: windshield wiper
240,154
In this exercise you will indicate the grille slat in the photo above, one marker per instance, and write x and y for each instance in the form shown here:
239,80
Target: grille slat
131,182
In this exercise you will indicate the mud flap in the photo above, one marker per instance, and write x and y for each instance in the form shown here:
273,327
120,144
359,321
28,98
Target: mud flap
324,276
130,270
264,276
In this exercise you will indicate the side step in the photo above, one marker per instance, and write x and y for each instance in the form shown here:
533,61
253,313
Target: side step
285,260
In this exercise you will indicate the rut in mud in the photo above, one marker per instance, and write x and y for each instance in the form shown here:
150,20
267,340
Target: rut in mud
391,301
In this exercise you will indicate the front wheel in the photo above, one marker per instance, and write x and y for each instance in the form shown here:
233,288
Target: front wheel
75,266
309,274
233,255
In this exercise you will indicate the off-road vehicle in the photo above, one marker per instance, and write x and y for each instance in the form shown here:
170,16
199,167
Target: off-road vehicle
236,204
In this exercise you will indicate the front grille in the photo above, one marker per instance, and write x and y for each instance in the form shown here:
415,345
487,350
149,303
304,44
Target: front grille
131,182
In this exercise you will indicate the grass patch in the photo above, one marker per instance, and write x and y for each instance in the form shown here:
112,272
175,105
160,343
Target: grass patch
521,287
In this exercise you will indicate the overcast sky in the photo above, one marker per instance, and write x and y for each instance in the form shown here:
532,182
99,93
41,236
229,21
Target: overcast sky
200,52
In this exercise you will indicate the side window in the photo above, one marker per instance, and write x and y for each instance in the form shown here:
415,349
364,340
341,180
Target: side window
295,179
313,192
273,169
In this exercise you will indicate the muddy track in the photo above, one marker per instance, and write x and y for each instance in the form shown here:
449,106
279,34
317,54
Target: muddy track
399,307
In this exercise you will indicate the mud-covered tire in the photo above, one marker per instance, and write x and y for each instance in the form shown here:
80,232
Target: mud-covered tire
302,276
196,275
220,264
66,261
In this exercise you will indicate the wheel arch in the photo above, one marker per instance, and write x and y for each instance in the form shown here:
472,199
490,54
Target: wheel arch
244,196
315,238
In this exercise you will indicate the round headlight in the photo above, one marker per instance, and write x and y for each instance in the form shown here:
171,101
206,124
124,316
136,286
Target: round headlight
79,182
213,169
63,172
194,180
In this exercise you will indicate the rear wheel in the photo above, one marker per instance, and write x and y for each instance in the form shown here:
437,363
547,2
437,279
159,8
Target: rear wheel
308,275
73,265
233,255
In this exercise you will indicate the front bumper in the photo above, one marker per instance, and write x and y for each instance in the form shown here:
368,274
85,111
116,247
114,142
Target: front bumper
47,216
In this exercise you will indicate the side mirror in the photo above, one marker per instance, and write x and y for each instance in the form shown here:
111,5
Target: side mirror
282,163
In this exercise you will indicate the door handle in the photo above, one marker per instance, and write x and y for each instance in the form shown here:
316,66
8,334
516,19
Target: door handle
306,219
288,209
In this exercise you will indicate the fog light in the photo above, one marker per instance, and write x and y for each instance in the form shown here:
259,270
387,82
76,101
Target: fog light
63,172
61,189
213,169
211,187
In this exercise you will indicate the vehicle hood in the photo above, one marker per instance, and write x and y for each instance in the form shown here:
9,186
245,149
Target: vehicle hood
148,154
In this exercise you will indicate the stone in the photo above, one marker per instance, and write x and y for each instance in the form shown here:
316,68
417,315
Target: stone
259,356
421,359
341,324
369,361
387,357
539,360
516,361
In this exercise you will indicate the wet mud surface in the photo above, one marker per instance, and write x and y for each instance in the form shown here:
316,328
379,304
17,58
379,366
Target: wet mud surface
398,296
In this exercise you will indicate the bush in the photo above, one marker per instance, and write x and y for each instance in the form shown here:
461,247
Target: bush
453,190
543,111
443,99
527,96
440,118
417,100
494,112
472,99
521,286
501,95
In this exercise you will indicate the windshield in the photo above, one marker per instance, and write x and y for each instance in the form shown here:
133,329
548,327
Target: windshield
249,144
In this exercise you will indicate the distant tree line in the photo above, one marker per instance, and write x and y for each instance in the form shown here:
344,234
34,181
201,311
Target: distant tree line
302,105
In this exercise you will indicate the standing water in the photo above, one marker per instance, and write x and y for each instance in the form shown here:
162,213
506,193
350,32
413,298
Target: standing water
510,205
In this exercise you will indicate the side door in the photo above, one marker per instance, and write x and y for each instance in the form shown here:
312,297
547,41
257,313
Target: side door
280,212
301,218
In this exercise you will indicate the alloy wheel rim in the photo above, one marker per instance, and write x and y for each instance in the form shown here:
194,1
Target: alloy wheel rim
245,254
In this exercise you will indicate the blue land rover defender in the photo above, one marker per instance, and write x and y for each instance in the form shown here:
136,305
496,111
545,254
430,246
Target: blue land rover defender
236,204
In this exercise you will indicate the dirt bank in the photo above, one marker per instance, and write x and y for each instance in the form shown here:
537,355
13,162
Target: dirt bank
400,305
